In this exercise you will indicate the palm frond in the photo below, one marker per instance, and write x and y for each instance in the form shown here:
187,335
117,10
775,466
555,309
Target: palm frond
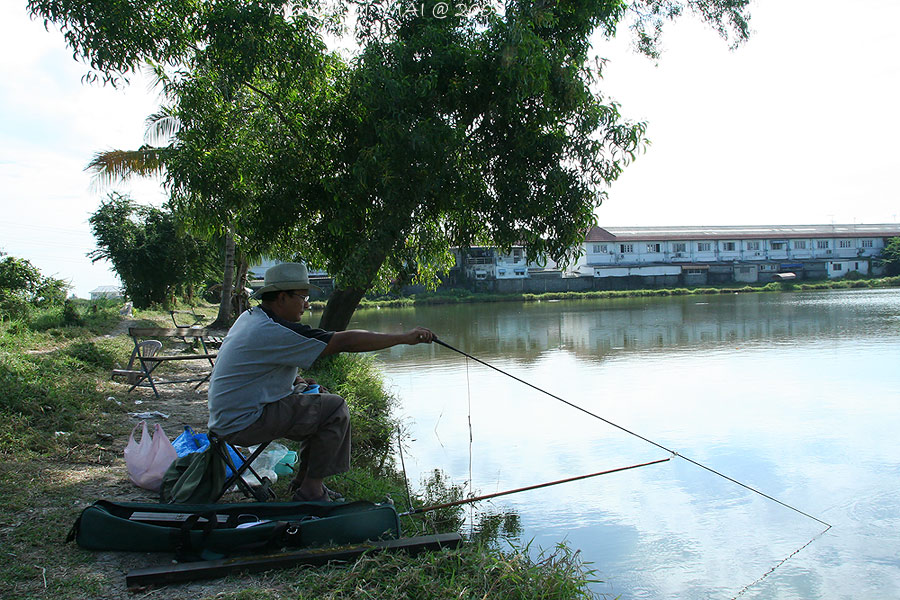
120,165
162,126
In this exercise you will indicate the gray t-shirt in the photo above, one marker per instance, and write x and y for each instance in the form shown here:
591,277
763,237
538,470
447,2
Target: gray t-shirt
256,365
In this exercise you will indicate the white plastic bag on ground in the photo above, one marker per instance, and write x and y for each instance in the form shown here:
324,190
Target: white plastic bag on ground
265,463
148,460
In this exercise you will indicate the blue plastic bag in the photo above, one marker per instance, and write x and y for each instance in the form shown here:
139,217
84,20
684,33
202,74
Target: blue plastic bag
190,441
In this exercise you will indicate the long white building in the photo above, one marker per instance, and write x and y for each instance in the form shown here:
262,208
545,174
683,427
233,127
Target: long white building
628,257
735,253
616,257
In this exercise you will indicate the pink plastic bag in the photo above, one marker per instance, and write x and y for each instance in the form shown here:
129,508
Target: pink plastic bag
148,460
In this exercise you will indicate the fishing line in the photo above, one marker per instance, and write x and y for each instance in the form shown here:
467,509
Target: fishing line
628,431
471,492
649,441
772,570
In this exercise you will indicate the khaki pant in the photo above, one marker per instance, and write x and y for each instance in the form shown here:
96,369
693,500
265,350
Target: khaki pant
320,421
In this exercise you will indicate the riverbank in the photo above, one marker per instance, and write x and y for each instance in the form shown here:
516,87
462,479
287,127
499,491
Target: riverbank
63,429
463,296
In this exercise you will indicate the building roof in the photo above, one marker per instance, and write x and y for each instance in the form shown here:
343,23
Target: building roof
107,289
731,232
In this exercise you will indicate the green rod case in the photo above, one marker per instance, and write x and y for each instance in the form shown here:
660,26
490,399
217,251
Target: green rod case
202,530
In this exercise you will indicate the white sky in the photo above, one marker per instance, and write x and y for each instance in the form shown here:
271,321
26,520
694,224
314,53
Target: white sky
800,125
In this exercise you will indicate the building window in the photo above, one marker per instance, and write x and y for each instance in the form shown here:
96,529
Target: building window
837,266
799,244
752,245
845,244
694,271
520,272
501,272
623,248
653,247
599,248
745,270
728,246
822,244
778,245
866,244
856,266
480,275
703,246
679,247
518,254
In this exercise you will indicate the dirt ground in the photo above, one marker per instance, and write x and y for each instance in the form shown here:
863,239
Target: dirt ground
182,404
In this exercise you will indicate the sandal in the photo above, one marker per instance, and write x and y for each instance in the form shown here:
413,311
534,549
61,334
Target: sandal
301,497
335,496
332,495
328,495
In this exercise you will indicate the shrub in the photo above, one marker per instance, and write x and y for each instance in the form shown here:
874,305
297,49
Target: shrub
355,378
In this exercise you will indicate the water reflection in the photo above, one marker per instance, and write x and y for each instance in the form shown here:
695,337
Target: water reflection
794,394
595,330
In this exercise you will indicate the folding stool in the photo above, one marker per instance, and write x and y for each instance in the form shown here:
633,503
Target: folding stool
261,493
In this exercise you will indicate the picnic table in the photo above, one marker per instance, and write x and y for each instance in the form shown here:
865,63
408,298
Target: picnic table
145,358
211,341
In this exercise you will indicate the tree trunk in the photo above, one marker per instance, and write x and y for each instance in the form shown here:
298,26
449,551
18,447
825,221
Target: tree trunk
240,301
343,301
223,320
340,308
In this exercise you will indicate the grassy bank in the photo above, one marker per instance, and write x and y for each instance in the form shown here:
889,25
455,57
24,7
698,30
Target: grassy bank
460,296
63,428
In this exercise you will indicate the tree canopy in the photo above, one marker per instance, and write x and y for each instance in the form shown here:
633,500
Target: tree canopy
890,256
481,126
153,257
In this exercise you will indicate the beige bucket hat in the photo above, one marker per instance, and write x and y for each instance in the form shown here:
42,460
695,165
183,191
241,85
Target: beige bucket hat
285,277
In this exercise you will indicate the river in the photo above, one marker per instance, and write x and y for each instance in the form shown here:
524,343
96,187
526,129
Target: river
793,394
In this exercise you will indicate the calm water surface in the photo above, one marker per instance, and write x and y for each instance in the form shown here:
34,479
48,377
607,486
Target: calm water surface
795,394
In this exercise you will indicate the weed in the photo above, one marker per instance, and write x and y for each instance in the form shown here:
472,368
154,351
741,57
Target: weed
471,571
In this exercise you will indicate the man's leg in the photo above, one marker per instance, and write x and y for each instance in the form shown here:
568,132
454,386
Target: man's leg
327,451
321,421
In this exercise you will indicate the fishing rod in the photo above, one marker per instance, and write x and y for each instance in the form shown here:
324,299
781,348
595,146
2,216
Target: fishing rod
416,511
628,431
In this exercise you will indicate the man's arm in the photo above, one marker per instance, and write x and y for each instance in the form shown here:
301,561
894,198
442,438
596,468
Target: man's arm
358,340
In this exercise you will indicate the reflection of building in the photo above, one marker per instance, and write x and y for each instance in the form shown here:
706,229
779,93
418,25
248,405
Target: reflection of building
598,330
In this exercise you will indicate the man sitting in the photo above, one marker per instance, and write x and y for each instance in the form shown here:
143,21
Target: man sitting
252,395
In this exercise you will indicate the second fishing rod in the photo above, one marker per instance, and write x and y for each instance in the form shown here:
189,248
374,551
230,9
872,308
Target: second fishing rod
637,435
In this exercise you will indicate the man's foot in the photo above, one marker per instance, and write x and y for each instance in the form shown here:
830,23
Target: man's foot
299,496
333,496
327,495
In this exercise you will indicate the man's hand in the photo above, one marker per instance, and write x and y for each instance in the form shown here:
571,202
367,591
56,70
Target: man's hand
419,335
